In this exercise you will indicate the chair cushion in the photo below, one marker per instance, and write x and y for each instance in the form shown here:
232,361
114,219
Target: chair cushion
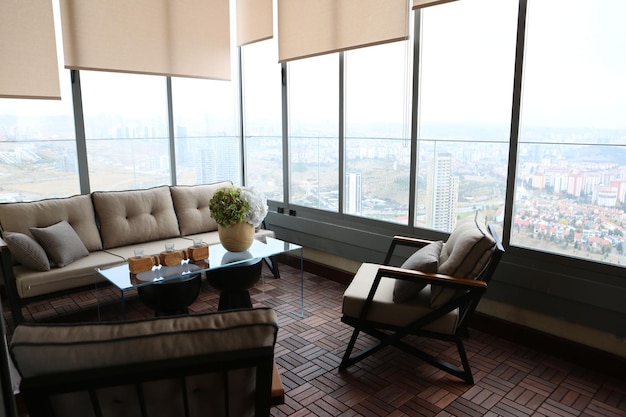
61,243
128,217
385,310
426,260
192,207
27,251
464,255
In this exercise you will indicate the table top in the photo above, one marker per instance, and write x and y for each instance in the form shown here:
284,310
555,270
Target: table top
219,257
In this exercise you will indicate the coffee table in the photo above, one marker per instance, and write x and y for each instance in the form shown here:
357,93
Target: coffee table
219,257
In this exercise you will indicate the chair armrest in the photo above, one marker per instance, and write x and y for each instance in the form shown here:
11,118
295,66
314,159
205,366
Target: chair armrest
404,241
3,244
411,241
438,279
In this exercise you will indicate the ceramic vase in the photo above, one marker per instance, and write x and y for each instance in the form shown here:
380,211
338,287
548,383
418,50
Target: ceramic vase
236,238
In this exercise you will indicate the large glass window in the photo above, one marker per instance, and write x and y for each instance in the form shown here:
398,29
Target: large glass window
206,129
314,131
377,132
126,128
466,86
570,192
263,118
38,147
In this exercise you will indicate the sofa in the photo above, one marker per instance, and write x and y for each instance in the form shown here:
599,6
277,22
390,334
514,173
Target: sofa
51,247
218,364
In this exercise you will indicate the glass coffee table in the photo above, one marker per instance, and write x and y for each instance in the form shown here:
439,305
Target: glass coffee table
219,257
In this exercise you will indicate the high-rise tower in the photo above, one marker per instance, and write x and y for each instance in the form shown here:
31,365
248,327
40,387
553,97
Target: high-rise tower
442,193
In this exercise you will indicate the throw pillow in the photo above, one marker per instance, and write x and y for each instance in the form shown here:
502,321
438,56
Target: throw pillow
27,251
425,260
61,243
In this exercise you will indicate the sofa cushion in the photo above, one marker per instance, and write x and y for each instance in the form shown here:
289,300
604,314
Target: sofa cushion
27,251
30,283
61,243
41,349
426,260
464,255
135,216
192,207
76,210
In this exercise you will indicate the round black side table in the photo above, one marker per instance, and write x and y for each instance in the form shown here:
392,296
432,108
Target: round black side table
233,283
171,297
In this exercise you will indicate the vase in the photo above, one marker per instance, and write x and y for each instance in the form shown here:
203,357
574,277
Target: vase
236,238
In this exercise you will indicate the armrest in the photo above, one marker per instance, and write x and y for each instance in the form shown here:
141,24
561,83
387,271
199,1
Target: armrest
404,241
438,279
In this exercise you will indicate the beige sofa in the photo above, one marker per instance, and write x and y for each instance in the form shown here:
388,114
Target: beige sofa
53,246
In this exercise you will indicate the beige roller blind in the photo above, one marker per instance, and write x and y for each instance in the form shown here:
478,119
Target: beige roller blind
28,54
255,21
182,38
315,27
418,4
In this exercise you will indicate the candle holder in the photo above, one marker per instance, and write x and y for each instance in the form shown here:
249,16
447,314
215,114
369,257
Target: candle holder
198,253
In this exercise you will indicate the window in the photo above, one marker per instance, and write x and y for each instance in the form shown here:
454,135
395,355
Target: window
314,131
206,129
465,90
262,109
126,129
38,147
377,132
570,192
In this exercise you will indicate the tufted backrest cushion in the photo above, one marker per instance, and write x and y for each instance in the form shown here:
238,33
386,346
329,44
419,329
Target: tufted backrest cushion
464,255
76,210
468,249
128,217
192,207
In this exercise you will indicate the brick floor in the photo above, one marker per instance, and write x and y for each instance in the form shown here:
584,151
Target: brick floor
511,380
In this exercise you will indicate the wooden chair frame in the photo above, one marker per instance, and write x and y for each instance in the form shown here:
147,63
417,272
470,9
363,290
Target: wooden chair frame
471,291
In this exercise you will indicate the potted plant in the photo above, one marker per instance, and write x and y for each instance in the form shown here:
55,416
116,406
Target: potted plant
238,211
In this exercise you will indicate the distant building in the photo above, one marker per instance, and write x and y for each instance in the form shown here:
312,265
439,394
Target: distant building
354,201
442,193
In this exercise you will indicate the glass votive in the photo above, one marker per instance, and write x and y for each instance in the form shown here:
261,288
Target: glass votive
197,241
169,247
139,253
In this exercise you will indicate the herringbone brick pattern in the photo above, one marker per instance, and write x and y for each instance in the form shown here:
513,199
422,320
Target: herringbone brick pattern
511,380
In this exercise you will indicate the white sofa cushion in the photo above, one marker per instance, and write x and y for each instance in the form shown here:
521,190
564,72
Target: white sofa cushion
128,217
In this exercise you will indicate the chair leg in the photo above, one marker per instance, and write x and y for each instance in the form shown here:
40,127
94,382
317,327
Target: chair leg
467,371
464,373
345,362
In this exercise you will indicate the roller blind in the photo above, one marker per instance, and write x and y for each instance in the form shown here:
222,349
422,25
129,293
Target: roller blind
418,4
28,55
255,21
183,38
315,27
